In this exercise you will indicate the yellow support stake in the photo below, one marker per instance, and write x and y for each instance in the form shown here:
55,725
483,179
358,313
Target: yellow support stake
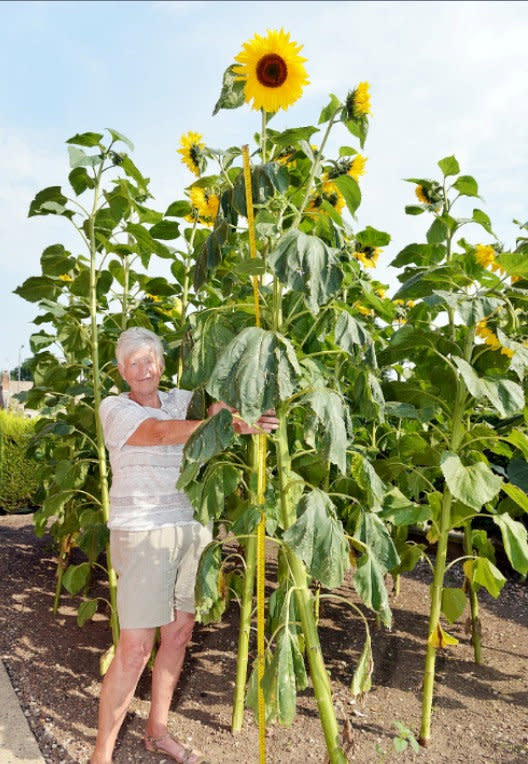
260,444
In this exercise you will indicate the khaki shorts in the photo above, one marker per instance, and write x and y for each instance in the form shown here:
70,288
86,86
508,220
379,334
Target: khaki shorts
156,572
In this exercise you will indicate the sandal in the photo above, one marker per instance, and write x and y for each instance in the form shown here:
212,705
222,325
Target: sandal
190,756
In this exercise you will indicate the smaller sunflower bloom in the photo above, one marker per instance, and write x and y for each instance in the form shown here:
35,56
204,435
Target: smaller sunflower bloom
153,297
332,195
273,71
422,196
205,203
65,277
357,166
507,351
368,256
485,255
329,193
285,156
362,309
489,337
381,292
191,150
358,101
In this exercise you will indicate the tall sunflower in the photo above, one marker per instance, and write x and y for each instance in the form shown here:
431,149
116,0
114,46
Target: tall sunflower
273,71
191,149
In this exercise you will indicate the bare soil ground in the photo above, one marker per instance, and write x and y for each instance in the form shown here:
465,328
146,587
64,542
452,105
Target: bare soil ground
480,711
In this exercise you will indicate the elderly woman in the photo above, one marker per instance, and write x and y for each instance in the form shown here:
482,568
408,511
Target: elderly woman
155,543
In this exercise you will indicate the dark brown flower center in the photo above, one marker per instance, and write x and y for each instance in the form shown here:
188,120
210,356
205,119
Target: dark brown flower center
272,70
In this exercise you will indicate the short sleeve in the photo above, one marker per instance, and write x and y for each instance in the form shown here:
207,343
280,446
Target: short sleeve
120,417
177,402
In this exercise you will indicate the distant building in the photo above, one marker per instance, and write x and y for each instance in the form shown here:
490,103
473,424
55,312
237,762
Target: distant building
11,387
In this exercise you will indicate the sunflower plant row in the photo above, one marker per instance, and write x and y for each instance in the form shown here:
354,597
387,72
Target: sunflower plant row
396,414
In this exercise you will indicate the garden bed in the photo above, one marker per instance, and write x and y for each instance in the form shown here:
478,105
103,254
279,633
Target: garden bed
480,712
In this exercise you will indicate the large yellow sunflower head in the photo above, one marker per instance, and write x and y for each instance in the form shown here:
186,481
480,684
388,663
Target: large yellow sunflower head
191,149
273,71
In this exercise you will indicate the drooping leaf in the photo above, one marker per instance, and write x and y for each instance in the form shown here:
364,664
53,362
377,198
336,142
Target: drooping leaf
209,493
515,541
86,611
474,485
209,439
440,638
329,431
350,191
368,480
349,333
257,369
232,93
308,265
400,511
209,593
517,495
453,603
373,533
284,675
318,538
211,334
369,582
76,577
362,679
506,396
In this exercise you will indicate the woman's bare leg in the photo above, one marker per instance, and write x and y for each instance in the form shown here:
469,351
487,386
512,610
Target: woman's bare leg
119,684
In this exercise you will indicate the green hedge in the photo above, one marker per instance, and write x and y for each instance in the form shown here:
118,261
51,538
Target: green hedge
18,484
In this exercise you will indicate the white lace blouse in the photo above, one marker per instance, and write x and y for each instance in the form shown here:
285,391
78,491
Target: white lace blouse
143,492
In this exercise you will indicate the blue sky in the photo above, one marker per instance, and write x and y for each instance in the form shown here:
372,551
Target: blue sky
446,78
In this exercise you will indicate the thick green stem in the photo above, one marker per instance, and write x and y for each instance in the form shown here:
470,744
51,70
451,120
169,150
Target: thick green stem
243,636
304,598
101,453
434,618
457,434
476,640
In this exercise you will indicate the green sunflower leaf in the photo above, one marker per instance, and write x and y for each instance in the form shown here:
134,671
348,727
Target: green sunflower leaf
232,93
449,166
257,369
515,540
308,265
283,676
318,538
474,486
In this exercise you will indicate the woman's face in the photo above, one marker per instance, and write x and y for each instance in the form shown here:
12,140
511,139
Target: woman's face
142,371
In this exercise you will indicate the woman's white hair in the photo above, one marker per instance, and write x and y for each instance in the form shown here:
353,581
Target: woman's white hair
135,338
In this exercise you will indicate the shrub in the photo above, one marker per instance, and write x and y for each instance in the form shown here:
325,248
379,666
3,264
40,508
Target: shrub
18,482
